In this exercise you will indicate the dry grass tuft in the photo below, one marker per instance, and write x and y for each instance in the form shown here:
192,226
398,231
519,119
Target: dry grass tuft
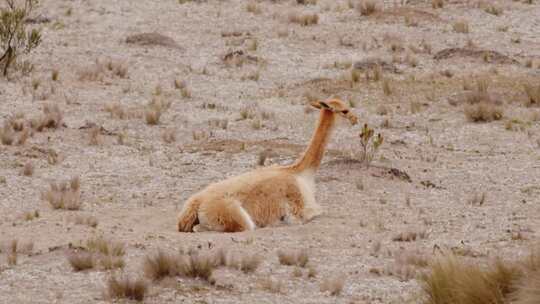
87,220
492,8
80,261
293,257
409,236
12,249
154,109
55,75
461,27
533,95
64,196
7,135
411,60
105,247
51,118
450,280
31,215
254,8
126,288
98,251
477,199
480,106
387,88
120,112
312,271
109,262
197,265
244,262
162,264
152,116
102,69
297,272
272,285
169,136
367,7
333,285
28,169
483,112
437,3
15,130
183,87
304,19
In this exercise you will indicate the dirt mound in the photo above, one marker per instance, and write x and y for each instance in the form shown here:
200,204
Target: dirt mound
486,55
393,14
372,63
150,39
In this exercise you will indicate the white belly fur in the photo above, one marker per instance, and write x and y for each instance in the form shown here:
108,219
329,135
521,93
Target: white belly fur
306,183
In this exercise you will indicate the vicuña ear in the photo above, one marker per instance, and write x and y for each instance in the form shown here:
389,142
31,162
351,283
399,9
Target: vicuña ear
319,105
315,104
324,105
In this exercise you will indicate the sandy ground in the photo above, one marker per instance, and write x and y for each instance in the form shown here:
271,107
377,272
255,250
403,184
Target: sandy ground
135,189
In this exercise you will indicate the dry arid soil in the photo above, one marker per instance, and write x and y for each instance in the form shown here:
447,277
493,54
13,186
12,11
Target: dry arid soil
230,80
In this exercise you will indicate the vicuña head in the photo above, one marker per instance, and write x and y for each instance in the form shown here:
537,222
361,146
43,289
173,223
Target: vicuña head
269,195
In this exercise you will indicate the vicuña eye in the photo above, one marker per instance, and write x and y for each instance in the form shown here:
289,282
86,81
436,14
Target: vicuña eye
345,111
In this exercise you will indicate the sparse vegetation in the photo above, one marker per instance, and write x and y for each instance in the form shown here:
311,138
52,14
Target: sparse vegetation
409,236
13,247
304,19
125,287
367,7
333,285
253,8
533,95
293,257
483,112
492,8
437,3
162,264
28,169
147,119
51,118
102,70
64,195
88,220
15,36
370,144
451,280
31,215
387,88
154,110
272,285
461,27
81,261
100,252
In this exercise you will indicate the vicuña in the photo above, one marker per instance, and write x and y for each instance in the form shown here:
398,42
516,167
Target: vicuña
268,195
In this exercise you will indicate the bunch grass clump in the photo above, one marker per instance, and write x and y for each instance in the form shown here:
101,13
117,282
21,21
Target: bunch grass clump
293,257
124,287
64,195
452,280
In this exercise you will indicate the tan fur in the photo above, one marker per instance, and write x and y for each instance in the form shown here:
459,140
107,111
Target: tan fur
265,196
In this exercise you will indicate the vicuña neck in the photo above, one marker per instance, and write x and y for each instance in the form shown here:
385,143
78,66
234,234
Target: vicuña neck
312,157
